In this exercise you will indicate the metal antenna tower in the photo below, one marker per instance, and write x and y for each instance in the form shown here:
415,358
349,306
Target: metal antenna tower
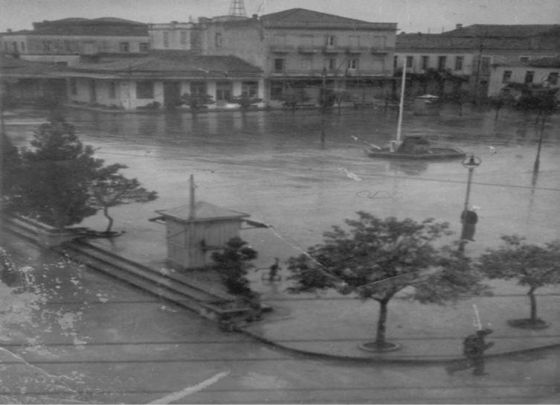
237,8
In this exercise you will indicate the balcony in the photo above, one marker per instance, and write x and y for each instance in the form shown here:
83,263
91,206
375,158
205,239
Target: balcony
308,49
356,50
281,48
379,50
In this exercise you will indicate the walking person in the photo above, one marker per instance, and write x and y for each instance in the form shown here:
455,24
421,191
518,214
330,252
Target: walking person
474,347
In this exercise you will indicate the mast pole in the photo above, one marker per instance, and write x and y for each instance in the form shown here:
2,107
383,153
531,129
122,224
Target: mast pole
401,104
191,197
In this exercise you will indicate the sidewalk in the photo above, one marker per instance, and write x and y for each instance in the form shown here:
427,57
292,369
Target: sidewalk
334,326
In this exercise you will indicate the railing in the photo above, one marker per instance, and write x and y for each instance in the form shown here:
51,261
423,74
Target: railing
281,48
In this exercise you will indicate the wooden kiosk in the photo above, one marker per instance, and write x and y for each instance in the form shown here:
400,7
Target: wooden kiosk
194,230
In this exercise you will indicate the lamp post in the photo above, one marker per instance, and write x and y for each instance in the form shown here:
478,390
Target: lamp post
471,163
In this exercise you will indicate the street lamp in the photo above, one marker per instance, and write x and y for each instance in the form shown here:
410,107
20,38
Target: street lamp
468,218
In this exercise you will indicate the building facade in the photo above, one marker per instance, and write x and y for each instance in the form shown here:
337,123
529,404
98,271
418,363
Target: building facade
69,40
174,35
466,55
540,73
306,52
160,80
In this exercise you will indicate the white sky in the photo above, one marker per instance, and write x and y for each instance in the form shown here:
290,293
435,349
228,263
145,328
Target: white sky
411,15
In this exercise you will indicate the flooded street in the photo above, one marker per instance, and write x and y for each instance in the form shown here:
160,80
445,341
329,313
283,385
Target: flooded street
274,166
77,335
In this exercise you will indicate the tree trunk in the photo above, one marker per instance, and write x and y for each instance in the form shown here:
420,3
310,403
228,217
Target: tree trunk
381,320
533,301
109,218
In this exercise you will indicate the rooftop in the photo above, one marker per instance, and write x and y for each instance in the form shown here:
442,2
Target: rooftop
183,63
441,41
105,26
303,18
504,31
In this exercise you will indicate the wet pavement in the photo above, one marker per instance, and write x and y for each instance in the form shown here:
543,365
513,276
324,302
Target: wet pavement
274,166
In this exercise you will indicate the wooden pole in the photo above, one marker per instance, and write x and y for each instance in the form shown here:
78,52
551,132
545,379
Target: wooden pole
192,212
401,104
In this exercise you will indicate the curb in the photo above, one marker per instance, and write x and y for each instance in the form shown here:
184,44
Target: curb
328,356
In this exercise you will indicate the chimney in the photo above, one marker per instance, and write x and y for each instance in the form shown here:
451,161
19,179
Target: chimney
458,26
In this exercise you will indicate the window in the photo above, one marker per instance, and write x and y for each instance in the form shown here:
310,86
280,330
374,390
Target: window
144,89
442,61
459,62
279,40
218,39
276,90
425,62
332,63
506,76
143,47
354,41
198,89
124,47
73,87
112,90
485,64
529,76
553,78
524,59
306,40
183,37
166,39
279,65
22,46
353,63
306,63
331,40
46,46
250,89
409,61
395,61
223,91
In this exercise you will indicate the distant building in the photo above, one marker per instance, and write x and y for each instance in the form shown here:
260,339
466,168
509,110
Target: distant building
305,51
175,36
537,73
67,41
467,54
29,82
160,79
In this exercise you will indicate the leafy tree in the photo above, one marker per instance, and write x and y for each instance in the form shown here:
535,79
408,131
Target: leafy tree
294,96
56,175
531,265
233,264
110,189
196,101
10,169
377,258
245,101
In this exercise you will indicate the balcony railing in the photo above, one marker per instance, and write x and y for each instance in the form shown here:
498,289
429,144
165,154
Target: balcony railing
281,48
309,49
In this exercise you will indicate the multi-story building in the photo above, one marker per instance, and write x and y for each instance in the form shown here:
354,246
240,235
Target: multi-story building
468,53
66,41
307,50
536,73
174,35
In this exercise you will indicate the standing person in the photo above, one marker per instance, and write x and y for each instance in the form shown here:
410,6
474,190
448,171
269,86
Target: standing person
469,218
474,347
273,270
